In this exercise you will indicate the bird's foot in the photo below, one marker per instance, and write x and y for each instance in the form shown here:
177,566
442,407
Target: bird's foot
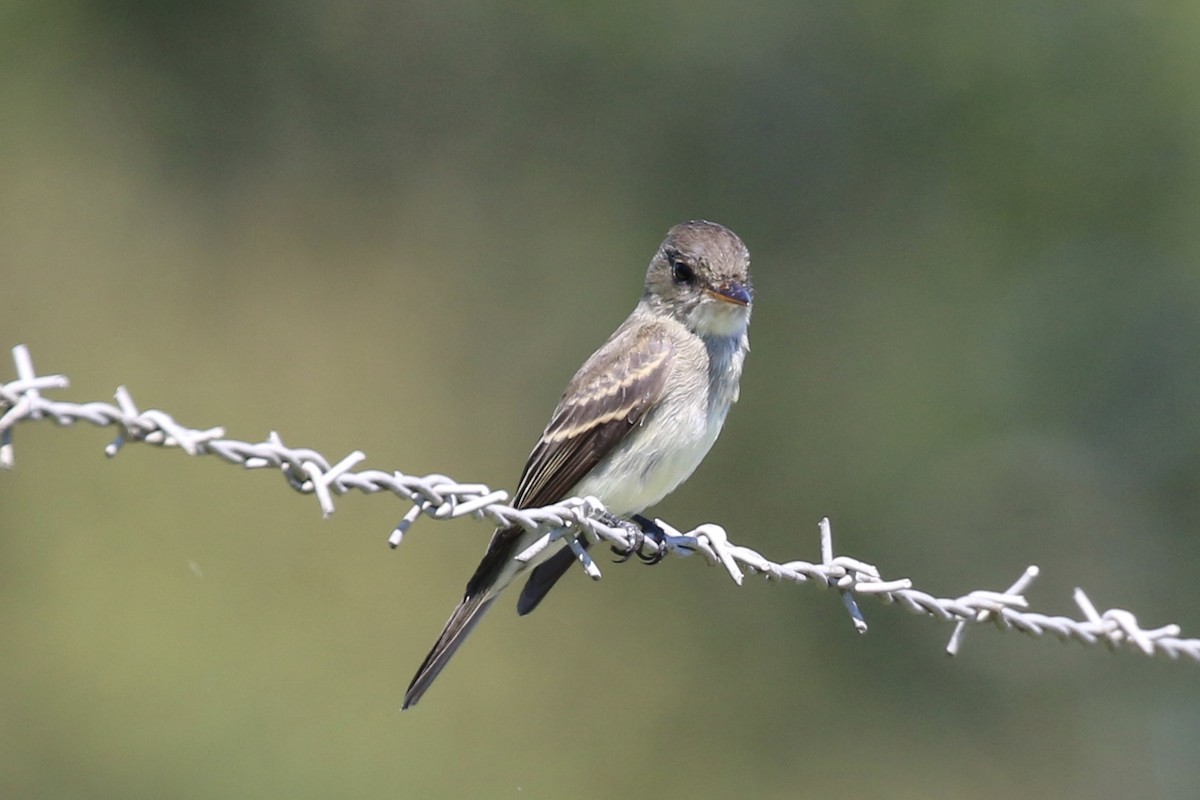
639,529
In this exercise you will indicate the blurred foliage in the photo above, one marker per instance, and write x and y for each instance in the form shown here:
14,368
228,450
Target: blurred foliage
401,226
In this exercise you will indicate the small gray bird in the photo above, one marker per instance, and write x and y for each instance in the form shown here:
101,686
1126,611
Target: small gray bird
634,422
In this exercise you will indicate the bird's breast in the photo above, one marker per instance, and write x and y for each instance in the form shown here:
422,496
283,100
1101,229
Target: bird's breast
659,454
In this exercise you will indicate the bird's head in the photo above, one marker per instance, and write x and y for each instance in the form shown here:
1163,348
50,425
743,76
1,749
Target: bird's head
701,277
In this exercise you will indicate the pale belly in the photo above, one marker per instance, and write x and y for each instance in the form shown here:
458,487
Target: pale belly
640,472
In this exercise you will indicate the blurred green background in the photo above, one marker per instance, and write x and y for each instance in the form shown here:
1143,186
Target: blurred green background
400,227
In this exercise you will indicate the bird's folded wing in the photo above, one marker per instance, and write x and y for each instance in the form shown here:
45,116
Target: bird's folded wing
609,395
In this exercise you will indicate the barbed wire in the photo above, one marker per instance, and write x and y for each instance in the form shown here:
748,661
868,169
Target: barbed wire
441,497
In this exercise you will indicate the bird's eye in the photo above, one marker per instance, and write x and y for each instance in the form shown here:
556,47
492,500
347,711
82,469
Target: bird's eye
682,272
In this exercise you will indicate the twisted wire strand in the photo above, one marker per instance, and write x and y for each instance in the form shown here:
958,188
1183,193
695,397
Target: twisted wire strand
441,497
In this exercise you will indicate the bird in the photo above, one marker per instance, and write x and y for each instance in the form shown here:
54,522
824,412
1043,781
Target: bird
633,423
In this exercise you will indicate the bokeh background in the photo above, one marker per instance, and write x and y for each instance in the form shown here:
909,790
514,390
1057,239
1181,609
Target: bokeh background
400,227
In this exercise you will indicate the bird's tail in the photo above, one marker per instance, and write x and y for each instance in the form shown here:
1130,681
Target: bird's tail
465,617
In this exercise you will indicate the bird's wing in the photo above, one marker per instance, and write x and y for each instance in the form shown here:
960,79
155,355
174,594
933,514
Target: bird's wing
600,407
609,395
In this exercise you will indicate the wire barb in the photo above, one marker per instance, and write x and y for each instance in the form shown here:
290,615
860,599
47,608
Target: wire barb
441,497
827,559
1012,598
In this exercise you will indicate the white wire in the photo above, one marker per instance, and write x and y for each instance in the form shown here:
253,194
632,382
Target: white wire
441,497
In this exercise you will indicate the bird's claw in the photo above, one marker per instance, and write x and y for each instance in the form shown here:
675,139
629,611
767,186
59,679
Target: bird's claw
639,529
636,538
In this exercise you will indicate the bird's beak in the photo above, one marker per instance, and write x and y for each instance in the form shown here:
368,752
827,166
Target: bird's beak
732,292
